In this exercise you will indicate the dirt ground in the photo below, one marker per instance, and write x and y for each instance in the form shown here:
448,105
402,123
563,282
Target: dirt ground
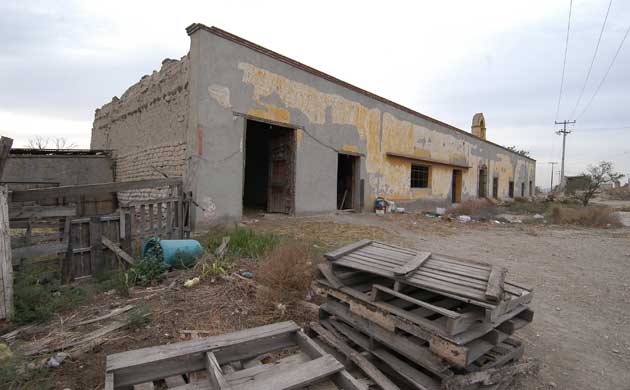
581,279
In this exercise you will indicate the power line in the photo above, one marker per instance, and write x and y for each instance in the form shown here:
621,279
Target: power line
590,68
604,128
564,133
607,72
564,62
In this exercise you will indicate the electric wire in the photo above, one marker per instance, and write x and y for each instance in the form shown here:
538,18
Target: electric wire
564,62
590,68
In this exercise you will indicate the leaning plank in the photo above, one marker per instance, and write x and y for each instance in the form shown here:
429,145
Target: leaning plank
153,363
412,265
301,376
491,376
91,189
6,263
112,313
215,375
440,310
117,250
337,254
494,291
368,368
5,149
327,271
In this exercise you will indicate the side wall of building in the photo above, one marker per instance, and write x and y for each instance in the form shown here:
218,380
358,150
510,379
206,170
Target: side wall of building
146,128
231,82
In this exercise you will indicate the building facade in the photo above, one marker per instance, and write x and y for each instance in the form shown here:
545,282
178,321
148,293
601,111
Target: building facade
251,129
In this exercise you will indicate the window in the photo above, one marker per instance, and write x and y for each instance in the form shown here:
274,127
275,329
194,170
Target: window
531,188
511,189
419,176
522,189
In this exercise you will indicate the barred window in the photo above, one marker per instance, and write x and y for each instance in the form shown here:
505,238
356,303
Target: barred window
419,176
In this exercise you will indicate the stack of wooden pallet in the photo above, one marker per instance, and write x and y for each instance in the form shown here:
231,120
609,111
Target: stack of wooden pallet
427,321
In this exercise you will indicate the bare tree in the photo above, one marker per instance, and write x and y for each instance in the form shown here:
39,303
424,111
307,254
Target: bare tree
56,143
519,151
595,177
38,142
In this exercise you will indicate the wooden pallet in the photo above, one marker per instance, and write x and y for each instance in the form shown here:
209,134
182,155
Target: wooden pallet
479,284
350,341
299,364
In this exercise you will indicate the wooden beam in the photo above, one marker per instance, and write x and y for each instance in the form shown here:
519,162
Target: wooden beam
327,271
33,212
38,251
215,374
91,189
6,262
365,365
5,149
412,265
440,310
96,242
337,254
494,290
492,376
117,250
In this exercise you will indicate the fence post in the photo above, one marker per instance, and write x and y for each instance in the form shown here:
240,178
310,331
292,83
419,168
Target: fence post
6,265
66,264
96,246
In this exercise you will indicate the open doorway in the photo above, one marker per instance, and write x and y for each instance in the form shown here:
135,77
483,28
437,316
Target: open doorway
347,175
269,180
456,186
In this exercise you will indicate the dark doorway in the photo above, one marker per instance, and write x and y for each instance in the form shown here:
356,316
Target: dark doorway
483,182
495,187
269,182
456,186
522,190
511,189
346,181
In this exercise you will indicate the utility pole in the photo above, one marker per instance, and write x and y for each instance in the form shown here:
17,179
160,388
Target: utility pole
564,133
552,164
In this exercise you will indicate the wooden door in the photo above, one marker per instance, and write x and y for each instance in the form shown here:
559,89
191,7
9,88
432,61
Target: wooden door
280,190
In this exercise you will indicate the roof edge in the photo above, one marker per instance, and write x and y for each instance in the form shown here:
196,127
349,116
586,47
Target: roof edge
243,42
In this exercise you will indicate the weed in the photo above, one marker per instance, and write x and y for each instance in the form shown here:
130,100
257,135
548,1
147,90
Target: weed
524,206
147,271
139,317
117,280
584,216
475,208
37,299
244,242
183,260
288,269
16,373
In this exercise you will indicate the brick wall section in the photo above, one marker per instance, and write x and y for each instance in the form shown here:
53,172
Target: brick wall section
150,163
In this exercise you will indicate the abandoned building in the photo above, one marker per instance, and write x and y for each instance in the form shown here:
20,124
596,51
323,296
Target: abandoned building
249,128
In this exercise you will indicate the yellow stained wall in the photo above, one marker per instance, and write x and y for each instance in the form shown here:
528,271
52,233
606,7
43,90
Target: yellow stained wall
386,176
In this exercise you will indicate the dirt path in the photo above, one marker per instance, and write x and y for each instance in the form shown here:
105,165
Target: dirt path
581,279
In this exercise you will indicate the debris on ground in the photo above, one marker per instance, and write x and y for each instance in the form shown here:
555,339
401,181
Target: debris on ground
464,218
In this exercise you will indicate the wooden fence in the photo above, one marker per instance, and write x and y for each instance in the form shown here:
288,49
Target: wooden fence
85,246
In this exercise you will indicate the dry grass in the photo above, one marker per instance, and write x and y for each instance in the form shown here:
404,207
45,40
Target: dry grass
622,193
288,271
585,216
474,208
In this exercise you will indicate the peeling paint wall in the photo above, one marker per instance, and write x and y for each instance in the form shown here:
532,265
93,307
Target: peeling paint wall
236,81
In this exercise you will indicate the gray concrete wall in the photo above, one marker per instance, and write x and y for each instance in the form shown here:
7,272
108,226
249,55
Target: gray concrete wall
230,82
57,170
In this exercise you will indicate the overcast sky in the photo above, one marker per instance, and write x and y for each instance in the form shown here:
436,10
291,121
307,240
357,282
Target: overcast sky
448,59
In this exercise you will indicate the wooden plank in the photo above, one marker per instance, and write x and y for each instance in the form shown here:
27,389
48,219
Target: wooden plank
215,374
169,219
412,351
66,262
412,264
365,365
337,254
144,386
152,363
5,150
445,312
159,219
33,212
96,250
299,377
6,262
327,272
494,291
109,381
40,250
122,224
419,380
142,223
118,251
90,189
264,370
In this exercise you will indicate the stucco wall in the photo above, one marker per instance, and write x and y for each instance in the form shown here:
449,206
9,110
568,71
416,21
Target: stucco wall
147,124
230,81
56,170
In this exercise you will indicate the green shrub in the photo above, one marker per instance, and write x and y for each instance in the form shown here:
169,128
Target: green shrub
147,271
16,374
139,317
244,242
36,299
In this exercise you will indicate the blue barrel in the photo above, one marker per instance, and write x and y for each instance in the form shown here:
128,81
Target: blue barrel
171,248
